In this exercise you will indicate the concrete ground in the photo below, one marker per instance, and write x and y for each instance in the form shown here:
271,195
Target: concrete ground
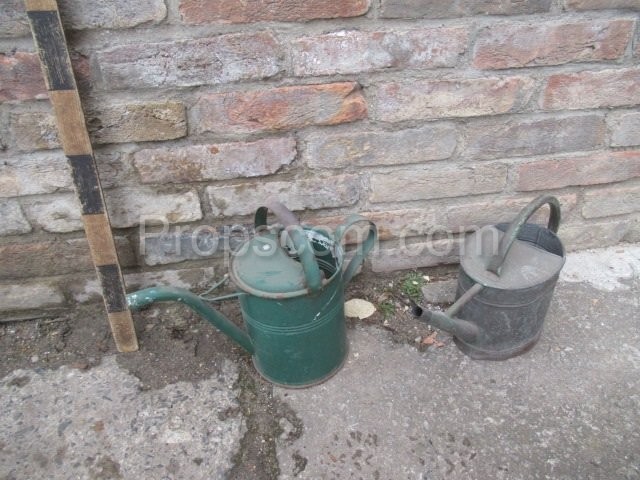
568,409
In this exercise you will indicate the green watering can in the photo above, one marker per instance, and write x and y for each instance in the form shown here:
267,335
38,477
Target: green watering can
291,282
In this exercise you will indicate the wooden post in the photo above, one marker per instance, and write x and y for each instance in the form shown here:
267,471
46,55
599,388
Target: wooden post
48,35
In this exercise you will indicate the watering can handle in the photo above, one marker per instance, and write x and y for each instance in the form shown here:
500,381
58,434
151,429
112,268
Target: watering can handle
300,241
496,261
363,248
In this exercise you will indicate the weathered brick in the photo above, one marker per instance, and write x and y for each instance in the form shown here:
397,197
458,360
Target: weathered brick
514,45
134,122
21,77
440,9
138,122
606,88
517,137
632,235
424,99
192,243
280,108
205,61
315,193
32,175
128,206
437,182
57,214
625,129
358,51
85,14
593,235
196,12
13,220
390,223
416,145
29,295
600,167
175,247
87,289
470,215
611,200
220,161
602,4
54,257
14,19
34,131
416,255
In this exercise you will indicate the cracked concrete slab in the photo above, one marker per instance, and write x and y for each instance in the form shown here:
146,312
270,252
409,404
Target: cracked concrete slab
567,409
98,424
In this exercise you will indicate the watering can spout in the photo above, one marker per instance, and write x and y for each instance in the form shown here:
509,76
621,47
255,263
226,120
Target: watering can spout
462,329
144,298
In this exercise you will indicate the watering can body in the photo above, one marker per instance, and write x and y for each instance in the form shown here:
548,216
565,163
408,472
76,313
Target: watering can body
291,284
506,280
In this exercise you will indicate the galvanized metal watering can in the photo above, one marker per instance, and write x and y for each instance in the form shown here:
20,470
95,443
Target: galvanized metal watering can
291,283
506,280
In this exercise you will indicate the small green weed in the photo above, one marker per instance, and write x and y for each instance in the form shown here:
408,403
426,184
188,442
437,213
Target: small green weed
411,286
387,309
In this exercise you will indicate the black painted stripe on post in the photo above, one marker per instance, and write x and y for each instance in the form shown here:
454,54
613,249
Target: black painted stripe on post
85,177
112,288
52,49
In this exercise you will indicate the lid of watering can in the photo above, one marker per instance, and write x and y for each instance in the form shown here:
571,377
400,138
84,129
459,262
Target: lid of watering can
526,265
277,264
262,264
517,255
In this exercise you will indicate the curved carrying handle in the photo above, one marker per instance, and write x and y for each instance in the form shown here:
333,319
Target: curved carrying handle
300,241
363,248
496,261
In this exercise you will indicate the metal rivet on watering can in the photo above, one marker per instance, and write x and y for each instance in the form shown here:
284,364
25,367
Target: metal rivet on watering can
506,280
291,283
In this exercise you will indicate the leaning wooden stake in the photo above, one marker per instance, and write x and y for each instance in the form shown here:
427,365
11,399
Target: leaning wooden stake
63,92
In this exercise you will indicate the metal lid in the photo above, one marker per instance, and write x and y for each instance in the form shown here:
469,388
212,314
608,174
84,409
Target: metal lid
526,264
262,265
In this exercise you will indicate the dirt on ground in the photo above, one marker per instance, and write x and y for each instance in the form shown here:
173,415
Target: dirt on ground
178,345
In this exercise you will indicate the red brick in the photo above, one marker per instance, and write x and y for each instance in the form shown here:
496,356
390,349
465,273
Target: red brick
436,181
606,88
515,45
516,137
55,257
280,108
601,167
21,77
358,51
197,12
424,99
241,56
459,8
602,4
221,161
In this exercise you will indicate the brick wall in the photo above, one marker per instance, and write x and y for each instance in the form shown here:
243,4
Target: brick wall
419,113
